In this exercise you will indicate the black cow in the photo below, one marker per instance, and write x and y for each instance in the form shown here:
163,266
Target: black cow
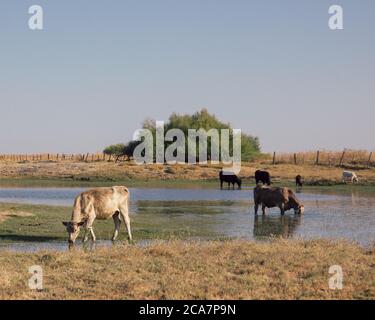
262,176
299,181
229,177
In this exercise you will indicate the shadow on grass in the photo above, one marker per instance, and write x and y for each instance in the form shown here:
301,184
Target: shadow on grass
27,238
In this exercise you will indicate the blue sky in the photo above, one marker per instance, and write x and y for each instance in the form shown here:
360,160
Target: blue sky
271,68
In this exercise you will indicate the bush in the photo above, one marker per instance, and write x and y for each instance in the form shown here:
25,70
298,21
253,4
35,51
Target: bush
250,147
115,149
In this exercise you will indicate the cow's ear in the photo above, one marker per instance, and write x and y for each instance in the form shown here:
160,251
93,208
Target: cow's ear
81,223
65,223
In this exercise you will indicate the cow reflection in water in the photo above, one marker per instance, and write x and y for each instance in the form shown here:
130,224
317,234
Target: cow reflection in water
278,226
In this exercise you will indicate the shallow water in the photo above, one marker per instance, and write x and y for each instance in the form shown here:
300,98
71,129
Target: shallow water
65,196
226,213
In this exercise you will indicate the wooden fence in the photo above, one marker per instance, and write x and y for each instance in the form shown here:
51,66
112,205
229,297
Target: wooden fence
330,158
84,157
320,157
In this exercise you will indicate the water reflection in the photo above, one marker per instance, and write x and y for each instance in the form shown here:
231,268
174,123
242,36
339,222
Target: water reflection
298,189
281,226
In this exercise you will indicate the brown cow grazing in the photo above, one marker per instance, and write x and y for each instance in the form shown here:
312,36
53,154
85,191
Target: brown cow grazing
99,203
270,197
229,177
294,203
299,181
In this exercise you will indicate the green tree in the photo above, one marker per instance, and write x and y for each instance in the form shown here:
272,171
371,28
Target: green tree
250,146
115,149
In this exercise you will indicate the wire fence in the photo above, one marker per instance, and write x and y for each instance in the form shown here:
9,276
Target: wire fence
319,157
323,157
55,157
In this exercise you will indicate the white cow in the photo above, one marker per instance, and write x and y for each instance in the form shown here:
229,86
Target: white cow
101,204
349,176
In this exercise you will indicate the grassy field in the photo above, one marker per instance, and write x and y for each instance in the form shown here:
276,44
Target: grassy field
75,173
194,270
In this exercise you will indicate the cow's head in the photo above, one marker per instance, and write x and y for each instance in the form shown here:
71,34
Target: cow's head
73,229
299,210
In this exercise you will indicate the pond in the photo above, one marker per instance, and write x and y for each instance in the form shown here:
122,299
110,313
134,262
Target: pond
229,213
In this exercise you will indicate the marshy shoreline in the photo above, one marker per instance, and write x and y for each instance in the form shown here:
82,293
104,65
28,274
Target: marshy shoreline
173,264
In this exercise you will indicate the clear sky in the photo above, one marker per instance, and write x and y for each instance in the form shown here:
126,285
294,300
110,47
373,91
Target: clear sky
271,68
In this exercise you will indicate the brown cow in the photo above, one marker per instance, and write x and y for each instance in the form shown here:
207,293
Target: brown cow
270,197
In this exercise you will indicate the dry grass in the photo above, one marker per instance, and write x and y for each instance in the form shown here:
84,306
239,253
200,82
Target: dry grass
128,171
207,270
326,157
4,215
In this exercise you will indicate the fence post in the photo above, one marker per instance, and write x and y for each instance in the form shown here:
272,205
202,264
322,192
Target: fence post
295,158
274,158
369,160
342,157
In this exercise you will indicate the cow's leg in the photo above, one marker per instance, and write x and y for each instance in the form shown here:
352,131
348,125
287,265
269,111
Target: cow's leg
282,209
124,211
89,224
264,209
85,236
92,234
89,230
117,221
256,206
221,184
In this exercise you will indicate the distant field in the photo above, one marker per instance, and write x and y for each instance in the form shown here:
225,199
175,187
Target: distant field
195,270
80,173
